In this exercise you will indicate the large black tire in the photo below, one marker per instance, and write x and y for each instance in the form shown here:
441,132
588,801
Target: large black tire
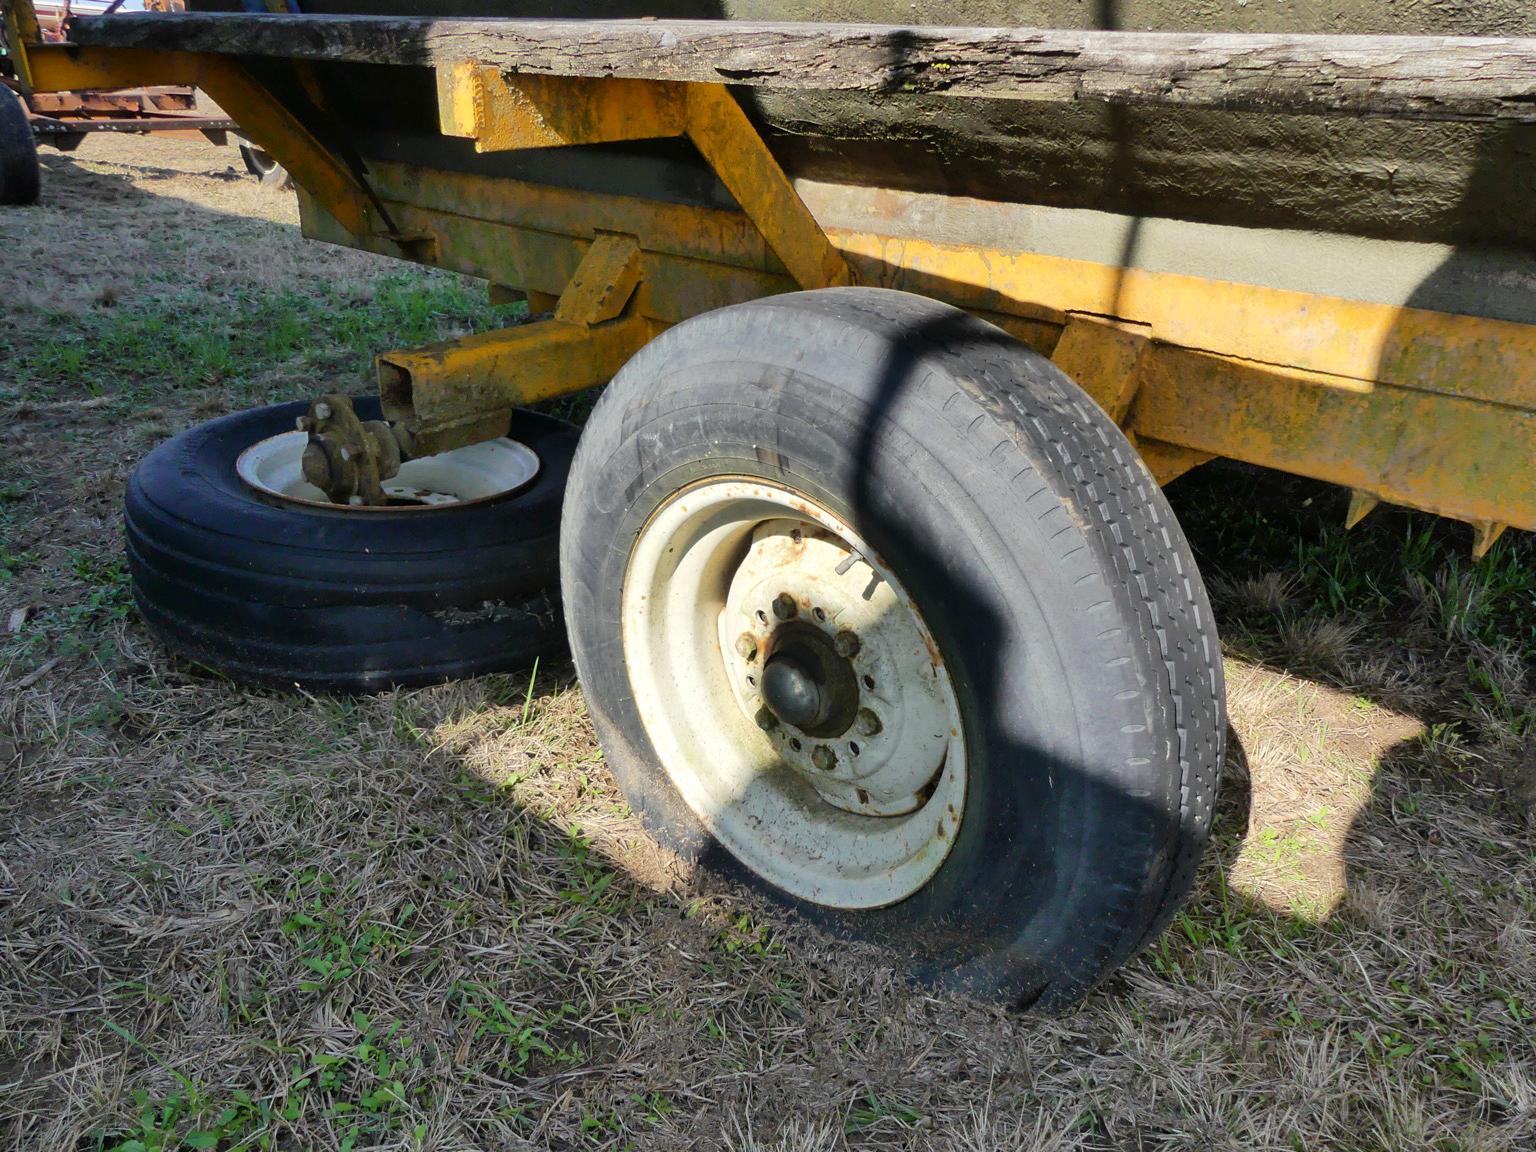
274,592
20,172
1055,580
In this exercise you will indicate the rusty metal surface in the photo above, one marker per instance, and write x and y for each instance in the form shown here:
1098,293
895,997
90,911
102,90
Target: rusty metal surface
348,458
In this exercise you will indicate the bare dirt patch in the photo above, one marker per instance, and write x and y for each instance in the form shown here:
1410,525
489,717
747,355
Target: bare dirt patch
248,919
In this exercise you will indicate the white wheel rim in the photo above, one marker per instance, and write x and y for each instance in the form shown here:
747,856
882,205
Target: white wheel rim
468,475
857,818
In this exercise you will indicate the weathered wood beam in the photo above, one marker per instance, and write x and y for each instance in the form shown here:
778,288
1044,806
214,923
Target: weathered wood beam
1413,77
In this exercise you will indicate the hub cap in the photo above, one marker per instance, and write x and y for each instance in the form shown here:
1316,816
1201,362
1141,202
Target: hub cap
793,693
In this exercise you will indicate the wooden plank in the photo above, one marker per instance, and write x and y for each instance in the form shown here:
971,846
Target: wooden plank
1413,77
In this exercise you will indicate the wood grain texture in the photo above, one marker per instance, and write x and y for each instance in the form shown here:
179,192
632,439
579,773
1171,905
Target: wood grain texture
1412,77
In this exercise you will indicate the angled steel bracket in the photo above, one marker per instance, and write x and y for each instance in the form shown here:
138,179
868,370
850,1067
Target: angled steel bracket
501,112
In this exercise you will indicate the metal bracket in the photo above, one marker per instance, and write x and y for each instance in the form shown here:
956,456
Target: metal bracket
1104,357
603,282
446,395
502,112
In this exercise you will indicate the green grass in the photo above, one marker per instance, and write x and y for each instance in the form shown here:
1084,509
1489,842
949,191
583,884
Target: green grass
174,341
1249,524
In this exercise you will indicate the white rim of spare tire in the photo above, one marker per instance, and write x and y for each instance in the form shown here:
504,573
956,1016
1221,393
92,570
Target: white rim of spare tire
469,475
793,693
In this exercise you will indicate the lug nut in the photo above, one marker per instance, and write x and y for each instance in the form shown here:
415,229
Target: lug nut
746,646
784,606
867,722
824,758
766,720
846,645
322,411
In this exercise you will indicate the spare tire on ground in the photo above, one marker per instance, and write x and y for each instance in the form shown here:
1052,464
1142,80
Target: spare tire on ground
20,173
239,566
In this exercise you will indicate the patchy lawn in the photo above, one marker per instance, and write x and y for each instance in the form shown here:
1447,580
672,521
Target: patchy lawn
252,919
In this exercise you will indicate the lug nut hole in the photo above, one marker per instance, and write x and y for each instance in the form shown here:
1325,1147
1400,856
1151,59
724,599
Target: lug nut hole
869,681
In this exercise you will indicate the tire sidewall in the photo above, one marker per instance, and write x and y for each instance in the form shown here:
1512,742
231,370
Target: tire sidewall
20,170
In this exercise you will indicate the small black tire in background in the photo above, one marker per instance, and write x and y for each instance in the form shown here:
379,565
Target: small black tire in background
881,504
20,172
268,172
267,591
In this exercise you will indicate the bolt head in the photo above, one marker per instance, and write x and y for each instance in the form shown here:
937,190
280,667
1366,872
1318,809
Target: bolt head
867,723
766,720
746,646
322,411
846,644
784,606
824,758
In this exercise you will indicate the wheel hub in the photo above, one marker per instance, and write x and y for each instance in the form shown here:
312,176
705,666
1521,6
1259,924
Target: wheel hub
805,683
839,677
792,694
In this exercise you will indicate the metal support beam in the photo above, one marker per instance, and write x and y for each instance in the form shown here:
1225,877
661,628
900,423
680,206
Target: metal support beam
721,131
1409,447
21,34
463,391
65,68
1167,462
604,281
458,392
502,112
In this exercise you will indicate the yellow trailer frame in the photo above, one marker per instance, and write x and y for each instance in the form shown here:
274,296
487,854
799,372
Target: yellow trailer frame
1431,410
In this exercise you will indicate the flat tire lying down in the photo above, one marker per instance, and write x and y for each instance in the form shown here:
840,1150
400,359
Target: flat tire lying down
239,567
875,610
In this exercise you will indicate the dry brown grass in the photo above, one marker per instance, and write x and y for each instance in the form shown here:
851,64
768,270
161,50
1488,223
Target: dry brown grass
427,919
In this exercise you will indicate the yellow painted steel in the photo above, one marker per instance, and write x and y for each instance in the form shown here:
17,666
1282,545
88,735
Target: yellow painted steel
1455,455
725,137
500,113
1468,356
461,391
1104,357
603,282
21,33
694,260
